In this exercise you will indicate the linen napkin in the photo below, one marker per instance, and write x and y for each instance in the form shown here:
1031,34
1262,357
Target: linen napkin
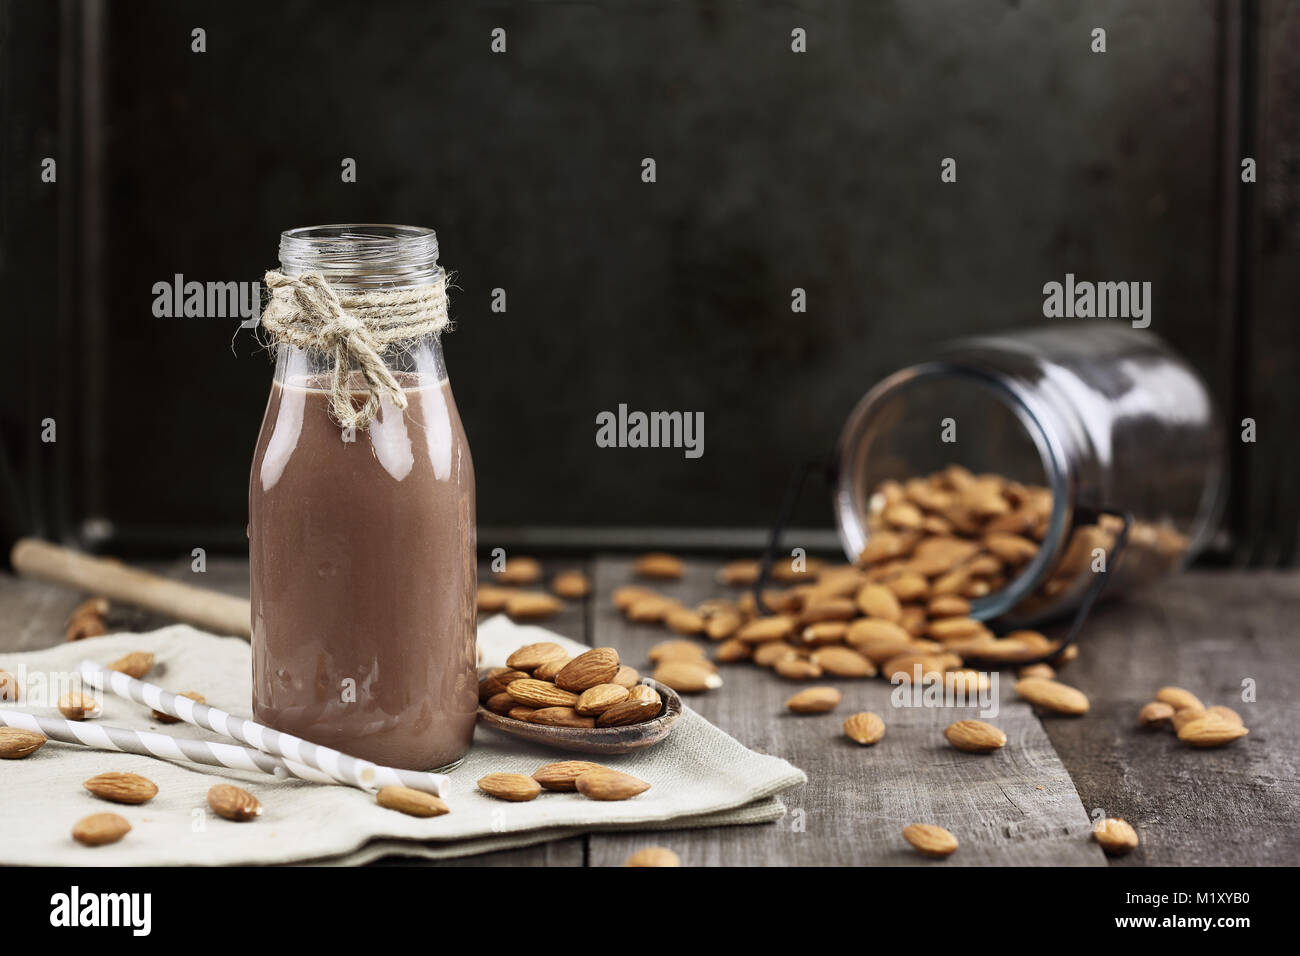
699,776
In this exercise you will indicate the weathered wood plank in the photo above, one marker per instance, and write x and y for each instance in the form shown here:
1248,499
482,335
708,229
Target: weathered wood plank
1209,633
858,799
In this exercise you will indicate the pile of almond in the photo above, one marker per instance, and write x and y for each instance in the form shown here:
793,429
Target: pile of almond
510,590
568,776
1193,722
903,610
542,684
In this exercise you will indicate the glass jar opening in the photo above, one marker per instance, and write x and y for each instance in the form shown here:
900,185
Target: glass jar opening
363,256
926,418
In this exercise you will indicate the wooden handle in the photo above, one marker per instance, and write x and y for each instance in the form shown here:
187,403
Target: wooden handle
209,610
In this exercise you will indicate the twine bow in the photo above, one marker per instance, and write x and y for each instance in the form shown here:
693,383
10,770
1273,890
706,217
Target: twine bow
355,327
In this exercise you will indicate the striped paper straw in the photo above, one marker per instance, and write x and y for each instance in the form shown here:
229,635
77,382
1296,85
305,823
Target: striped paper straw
339,766
152,744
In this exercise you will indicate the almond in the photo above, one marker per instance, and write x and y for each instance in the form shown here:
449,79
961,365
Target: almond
663,567
930,840
633,710
879,602
953,628
843,662
162,718
828,609
530,656
136,664
1185,716
605,784
643,692
722,625
234,803
684,621
866,728
8,687
1155,714
814,700
496,681
16,744
824,632
540,693
1211,730
415,803
732,650
1011,548
626,676
1227,713
778,627
99,829
548,669
596,666
561,717
571,585
1052,695
687,677
521,712
627,595
491,599
80,706
906,668
1179,699
1038,670
948,605
766,655
796,668
966,682
122,787
519,570
514,787
500,703
596,700
939,555
739,573
1115,836
676,651
975,736
878,640
533,605
908,586
652,609
87,620
563,776
653,856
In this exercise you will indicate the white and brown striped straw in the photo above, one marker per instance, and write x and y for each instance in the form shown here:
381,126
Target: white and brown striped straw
338,766
152,744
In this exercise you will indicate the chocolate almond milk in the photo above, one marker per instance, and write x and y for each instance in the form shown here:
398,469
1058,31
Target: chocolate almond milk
364,575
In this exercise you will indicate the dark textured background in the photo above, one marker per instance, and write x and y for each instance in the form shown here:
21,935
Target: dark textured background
775,170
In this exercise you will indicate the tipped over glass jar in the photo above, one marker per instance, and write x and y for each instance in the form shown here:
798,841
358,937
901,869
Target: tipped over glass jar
1021,461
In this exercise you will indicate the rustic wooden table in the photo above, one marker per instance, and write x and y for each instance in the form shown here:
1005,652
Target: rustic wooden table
1030,803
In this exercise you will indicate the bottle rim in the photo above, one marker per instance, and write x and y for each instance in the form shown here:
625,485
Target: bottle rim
363,255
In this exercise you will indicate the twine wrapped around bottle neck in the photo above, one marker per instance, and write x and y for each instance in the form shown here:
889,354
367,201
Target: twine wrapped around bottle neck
305,311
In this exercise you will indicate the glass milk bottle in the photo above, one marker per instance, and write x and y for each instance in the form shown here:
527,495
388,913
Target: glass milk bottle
361,512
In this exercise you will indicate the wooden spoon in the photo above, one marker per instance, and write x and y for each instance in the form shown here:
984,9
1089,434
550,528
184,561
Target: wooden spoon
597,740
